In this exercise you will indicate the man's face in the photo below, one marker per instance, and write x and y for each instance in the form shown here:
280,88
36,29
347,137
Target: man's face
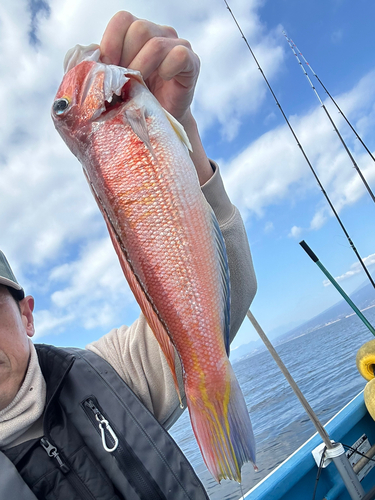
15,328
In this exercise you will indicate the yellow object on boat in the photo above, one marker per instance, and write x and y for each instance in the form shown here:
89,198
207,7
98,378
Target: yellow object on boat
369,395
365,360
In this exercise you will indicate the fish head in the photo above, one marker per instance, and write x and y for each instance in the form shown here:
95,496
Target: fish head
89,91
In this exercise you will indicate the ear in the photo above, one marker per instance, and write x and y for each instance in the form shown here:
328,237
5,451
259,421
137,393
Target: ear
27,307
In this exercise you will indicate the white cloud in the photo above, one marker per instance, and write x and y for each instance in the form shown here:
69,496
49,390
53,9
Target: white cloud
96,270
264,173
51,229
321,216
272,169
230,84
355,268
295,232
88,292
47,322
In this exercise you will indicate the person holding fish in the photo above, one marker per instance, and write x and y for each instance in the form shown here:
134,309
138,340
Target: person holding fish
91,423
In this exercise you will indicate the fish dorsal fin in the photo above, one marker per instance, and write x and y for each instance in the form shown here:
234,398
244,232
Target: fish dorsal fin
136,118
225,278
179,129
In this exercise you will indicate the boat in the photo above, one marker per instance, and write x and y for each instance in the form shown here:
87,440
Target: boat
294,479
338,462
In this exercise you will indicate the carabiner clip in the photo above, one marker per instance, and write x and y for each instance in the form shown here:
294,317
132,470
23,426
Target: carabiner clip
103,425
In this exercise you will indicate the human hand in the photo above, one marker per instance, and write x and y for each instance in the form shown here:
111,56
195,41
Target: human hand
169,67
168,64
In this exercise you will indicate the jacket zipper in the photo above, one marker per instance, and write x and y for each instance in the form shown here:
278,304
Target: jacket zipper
140,479
53,453
104,427
65,468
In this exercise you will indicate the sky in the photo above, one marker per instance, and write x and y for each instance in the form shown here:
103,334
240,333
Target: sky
50,227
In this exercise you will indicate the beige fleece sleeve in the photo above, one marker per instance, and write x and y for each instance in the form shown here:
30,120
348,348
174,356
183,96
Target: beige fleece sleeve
134,352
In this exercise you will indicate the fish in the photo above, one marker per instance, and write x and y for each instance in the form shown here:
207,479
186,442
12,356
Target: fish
135,156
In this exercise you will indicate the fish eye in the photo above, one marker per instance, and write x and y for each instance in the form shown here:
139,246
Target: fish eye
60,105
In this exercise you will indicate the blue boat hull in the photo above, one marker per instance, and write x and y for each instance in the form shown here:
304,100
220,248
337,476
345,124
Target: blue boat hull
295,477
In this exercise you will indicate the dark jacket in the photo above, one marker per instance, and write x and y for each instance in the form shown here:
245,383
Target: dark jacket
99,442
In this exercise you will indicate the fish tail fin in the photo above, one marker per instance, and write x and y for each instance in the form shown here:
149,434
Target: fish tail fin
223,430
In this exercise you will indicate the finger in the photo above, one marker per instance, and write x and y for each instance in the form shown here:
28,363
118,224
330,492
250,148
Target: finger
112,42
138,35
154,53
169,31
182,64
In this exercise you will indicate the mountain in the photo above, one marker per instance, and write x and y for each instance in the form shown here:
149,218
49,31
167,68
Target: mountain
362,297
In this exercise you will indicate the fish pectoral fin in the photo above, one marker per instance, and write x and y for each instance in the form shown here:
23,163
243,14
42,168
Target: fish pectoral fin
179,129
137,120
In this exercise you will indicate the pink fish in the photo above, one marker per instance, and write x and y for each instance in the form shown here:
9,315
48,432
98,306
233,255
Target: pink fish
136,160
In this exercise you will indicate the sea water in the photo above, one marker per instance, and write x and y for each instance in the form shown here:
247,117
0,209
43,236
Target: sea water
323,365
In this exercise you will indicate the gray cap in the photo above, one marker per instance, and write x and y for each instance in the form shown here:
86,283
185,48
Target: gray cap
7,277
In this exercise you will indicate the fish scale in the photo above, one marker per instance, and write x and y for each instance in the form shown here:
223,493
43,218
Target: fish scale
144,187
168,242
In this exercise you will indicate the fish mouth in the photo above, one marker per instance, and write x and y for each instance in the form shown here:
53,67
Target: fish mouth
115,78
116,101
117,83
114,88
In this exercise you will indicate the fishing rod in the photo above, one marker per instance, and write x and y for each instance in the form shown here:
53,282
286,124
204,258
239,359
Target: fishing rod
332,122
315,259
333,100
302,150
